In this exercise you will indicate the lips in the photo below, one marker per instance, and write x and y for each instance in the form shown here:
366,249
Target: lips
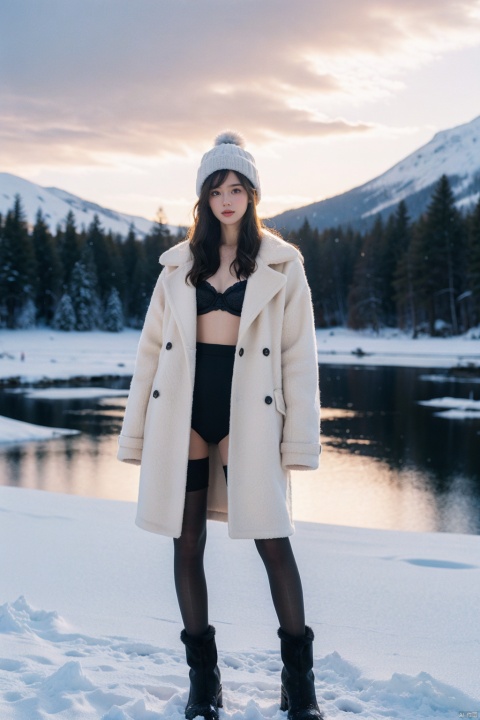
227,213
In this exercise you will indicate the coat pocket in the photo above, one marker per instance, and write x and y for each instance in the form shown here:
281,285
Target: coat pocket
279,401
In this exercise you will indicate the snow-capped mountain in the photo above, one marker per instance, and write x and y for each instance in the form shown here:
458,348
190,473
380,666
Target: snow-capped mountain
55,205
454,152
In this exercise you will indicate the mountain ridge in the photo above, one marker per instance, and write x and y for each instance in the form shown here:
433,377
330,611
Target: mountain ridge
56,203
454,152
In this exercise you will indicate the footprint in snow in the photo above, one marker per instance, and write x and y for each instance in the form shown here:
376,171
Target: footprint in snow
443,564
431,563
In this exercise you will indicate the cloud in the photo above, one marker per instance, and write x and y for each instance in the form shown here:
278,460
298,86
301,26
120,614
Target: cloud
88,78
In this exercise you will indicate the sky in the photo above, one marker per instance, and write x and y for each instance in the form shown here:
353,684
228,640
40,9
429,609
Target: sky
116,101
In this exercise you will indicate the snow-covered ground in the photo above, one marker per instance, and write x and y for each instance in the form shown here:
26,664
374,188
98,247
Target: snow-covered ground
89,625
49,354
35,355
74,393
393,347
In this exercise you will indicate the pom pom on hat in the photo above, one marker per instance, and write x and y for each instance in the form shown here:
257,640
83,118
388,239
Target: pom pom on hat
230,137
228,153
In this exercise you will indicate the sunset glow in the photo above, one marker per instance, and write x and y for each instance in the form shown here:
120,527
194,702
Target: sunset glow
116,102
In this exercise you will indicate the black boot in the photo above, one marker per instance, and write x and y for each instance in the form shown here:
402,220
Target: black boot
205,688
298,681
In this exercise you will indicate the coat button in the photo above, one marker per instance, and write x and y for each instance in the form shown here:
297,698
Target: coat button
266,351
241,351
168,346
268,400
156,394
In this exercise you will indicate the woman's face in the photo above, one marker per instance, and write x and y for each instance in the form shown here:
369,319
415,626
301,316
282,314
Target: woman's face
229,201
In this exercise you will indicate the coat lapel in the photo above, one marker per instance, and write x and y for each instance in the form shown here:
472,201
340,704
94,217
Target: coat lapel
262,285
182,301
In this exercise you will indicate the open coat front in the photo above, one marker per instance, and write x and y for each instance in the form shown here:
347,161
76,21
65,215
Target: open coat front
275,405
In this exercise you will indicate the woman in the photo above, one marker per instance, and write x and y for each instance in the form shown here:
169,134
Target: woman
226,376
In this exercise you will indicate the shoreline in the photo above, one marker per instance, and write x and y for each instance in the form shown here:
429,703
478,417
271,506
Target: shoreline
45,357
341,346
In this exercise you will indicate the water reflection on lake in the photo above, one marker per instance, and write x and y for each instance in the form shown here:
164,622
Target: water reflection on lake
387,461
82,464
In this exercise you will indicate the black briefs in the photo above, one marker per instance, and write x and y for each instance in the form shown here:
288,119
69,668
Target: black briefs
212,390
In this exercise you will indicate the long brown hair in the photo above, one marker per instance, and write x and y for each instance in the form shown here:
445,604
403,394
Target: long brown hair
205,234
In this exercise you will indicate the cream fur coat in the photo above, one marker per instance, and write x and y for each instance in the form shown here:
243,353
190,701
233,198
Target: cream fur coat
267,438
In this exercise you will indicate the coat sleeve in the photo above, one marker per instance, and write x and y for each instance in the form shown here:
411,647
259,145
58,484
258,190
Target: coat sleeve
300,447
130,441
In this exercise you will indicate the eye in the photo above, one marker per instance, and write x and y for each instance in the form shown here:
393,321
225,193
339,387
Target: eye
213,193
236,190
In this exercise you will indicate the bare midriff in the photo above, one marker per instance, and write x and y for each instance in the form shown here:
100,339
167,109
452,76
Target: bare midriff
219,327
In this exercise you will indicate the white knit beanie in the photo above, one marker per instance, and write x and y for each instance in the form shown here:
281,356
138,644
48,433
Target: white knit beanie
228,154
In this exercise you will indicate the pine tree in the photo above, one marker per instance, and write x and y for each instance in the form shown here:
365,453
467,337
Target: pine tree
130,254
27,315
84,293
404,295
308,240
474,261
140,291
347,251
17,264
64,317
160,236
113,315
102,254
366,299
131,250
156,242
388,263
444,255
69,247
329,284
49,273
117,277
421,281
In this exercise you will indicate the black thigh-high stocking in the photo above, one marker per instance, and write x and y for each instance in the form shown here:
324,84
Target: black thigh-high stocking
285,583
190,582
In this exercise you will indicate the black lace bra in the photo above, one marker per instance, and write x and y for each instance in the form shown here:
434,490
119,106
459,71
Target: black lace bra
208,298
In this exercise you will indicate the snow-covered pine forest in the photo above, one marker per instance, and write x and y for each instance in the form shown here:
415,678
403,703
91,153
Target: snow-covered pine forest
422,276
76,279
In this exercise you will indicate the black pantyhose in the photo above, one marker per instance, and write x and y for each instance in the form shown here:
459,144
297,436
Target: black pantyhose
285,583
190,582
191,586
